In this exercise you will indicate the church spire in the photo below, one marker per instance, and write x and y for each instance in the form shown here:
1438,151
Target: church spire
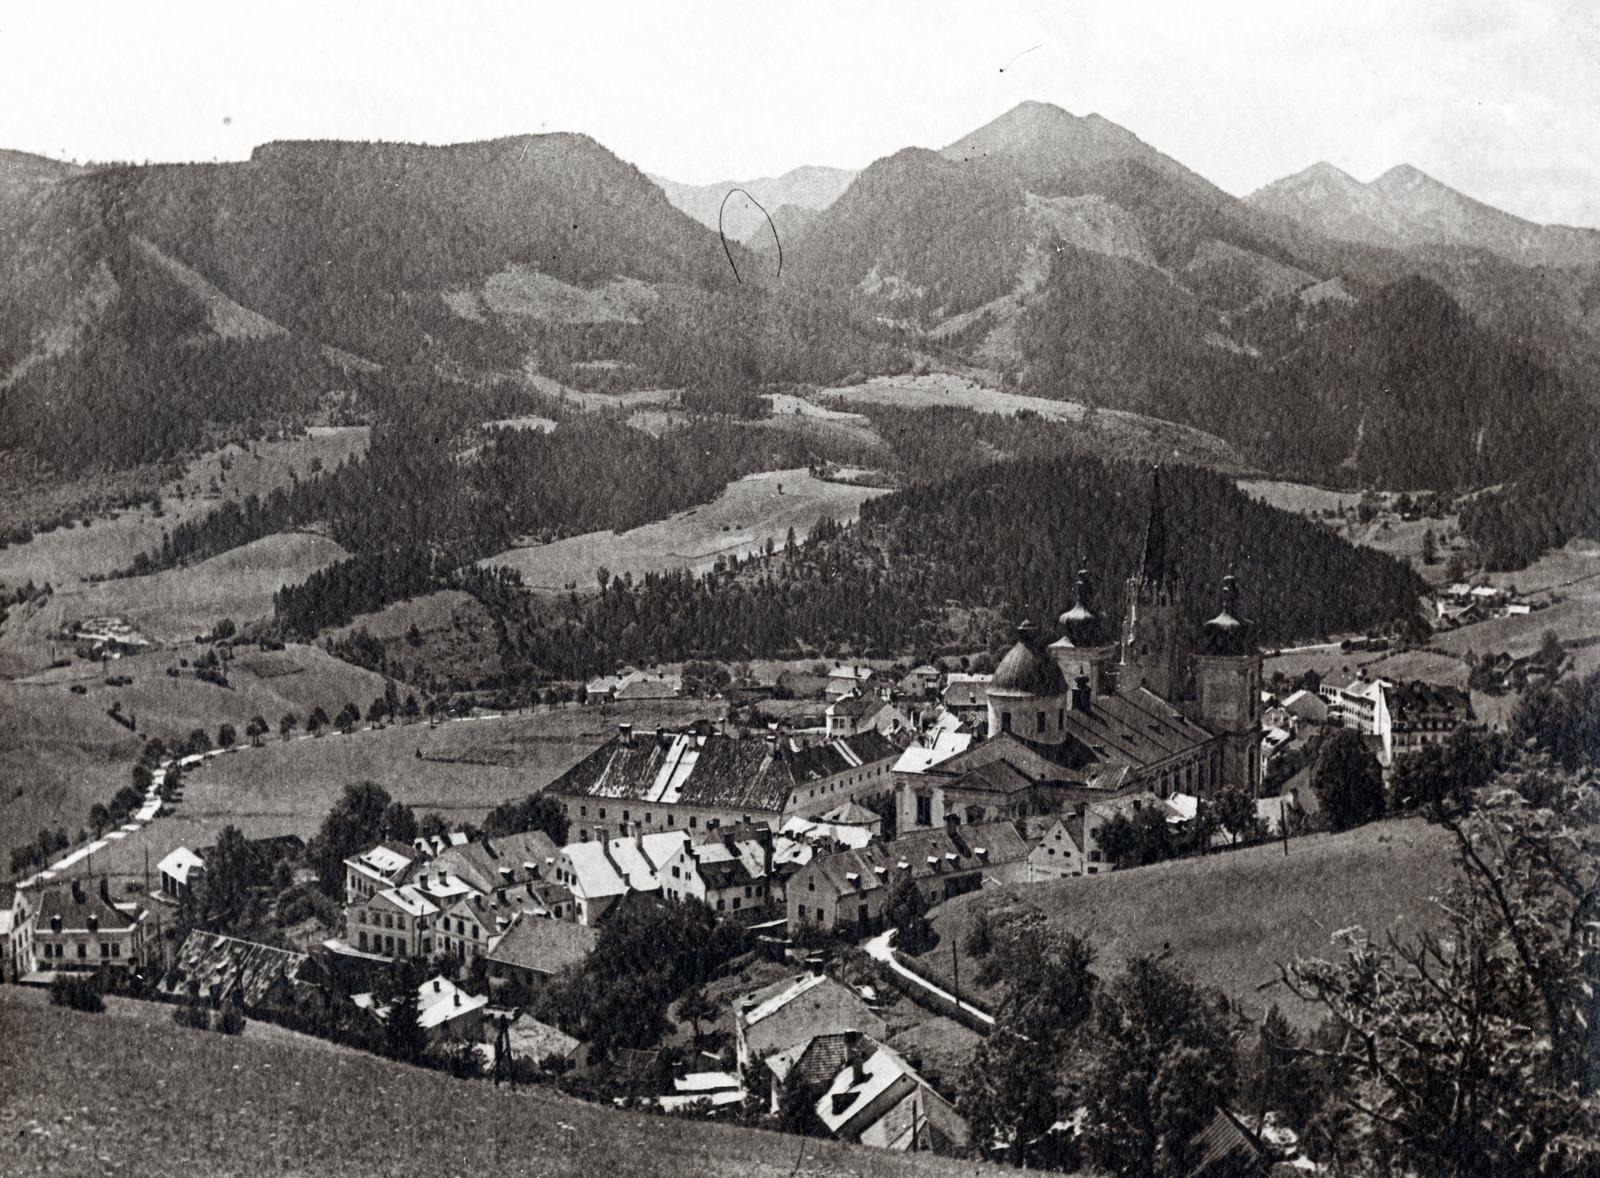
1156,566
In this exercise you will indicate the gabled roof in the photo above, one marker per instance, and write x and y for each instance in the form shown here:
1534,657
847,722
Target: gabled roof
1134,725
922,854
442,1001
75,903
179,862
771,999
481,862
966,691
231,969
852,814
543,944
845,1098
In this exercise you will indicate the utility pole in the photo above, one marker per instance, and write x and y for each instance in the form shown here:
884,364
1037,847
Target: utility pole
955,968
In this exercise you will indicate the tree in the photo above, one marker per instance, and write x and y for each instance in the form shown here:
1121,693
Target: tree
1019,1077
399,823
198,742
349,716
403,1036
1348,780
1236,811
410,709
907,912
1430,547
99,818
1162,1065
1477,1051
1454,569
696,1008
220,896
432,825
256,729
226,736
317,721
353,824
287,724
535,812
375,711
1277,1076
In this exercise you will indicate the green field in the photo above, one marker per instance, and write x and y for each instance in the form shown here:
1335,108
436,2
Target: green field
98,1094
108,544
1114,427
1230,918
738,522
60,752
466,767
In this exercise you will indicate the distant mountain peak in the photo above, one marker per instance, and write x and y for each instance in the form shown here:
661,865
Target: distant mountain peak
1406,176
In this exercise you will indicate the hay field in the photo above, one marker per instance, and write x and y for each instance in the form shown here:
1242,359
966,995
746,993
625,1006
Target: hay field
1230,918
108,544
737,522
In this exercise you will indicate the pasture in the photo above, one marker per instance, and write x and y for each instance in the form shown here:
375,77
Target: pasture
117,1093
738,522
1230,918
110,543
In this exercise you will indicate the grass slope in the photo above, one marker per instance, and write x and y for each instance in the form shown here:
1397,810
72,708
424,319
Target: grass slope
83,1094
1230,918
746,514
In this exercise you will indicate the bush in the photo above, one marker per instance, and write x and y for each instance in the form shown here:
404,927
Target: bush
77,993
229,1020
193,1017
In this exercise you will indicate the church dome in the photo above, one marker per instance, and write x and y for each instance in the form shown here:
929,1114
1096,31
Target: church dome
1080,625
1028,670
1228,634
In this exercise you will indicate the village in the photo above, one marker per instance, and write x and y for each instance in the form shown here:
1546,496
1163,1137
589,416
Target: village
819,840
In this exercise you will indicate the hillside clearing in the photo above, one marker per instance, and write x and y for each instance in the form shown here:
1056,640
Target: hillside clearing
96,1093
1230,918
948,390
110,543
738,522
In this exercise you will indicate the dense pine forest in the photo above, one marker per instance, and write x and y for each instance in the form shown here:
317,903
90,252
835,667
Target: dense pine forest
963,559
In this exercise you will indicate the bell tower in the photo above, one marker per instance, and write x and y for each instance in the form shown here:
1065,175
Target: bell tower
1152,653
1228,693
1087,646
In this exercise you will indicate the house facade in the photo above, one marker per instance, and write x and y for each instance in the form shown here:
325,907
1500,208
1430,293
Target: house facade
79,927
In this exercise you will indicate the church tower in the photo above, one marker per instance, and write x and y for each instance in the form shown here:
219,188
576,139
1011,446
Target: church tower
1086,647
1152,648
1228,693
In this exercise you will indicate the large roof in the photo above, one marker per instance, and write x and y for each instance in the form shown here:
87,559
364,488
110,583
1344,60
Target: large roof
1136,726
1028,669
542,944
709,769
483,863
228,968
922,853
76,903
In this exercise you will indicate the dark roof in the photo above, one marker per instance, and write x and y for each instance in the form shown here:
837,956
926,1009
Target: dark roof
543,945
996,777
1409,702
1038,762
76,903
1028,668
1226,1137
227,968
751,773
1083,627
1136,726
479,862
966,693
1156,565
877,865
1227,634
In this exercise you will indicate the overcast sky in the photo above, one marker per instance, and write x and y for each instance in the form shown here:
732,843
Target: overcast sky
1495,97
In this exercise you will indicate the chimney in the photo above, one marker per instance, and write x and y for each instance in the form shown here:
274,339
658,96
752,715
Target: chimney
105,889
858,1072
766,852
55,923
435,985
625,734
488,849
506,874
458,998
1080,695
94,922
661,736
77,891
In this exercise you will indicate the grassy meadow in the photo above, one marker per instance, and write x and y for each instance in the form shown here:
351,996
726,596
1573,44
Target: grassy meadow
1229,918
100,1094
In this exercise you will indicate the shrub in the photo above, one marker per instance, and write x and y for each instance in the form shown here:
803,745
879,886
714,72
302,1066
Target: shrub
193,1017
77,993
229,1020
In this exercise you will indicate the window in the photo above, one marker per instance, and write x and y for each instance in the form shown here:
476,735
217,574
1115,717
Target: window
361,940
1038,724
1005,721
105,949
583,811
83,950
602,811
720,905
624,815
692,822
116,948
735,903
647,817
802,911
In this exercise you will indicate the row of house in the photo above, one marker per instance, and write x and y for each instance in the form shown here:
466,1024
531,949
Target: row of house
1403,717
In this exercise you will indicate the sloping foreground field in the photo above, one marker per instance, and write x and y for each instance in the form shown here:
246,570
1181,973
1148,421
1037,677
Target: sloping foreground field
99,1094
738,522
1230,918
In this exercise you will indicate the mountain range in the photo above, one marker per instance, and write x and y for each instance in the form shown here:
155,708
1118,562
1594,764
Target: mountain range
1331,329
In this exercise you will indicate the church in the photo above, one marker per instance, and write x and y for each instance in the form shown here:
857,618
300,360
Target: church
1094,715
